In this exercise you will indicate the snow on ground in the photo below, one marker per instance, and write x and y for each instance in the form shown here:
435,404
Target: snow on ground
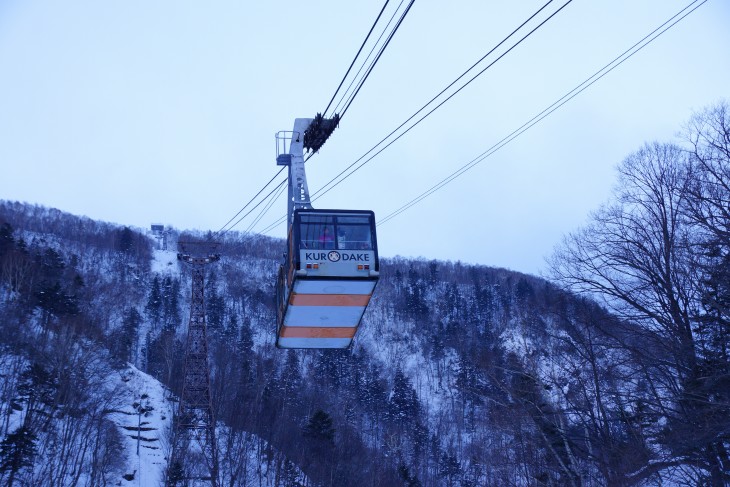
144,421
143,416
8,362
513,340
165,262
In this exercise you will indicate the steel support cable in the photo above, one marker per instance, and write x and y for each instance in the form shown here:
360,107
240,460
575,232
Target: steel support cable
627,54
277,187
266,208
463,74
377,58
525,126
364,63
274,224
355,58
221,232
355,78
323,188
372,64
335,182
223,229
264,211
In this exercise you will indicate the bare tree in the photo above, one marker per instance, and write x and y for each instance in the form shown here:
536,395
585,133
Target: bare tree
709,212
637,255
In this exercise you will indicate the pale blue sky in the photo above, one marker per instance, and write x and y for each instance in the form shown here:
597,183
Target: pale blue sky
137,112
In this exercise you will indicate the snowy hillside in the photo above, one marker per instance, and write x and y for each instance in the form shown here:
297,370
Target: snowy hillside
459,375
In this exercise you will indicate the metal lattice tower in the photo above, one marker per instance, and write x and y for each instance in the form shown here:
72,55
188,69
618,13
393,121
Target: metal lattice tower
194,456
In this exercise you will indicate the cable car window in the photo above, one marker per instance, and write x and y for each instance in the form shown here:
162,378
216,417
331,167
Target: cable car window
362,220
343,232
317,232
353,237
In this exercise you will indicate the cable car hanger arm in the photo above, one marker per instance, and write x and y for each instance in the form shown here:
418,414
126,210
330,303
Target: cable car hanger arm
293,156
308,134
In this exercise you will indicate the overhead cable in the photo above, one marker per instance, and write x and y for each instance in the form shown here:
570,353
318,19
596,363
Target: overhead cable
276,188
355,58
267,207
359,81
356,77
377,58
223,229
274,224
620,59
339,178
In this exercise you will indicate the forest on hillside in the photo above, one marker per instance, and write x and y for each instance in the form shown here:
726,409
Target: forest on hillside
613,370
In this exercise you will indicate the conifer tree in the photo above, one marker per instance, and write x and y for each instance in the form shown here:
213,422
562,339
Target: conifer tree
7,242
130,326
154,302
403,405
125,241
449,469
170,303
17,451
319,428
214,304
291,381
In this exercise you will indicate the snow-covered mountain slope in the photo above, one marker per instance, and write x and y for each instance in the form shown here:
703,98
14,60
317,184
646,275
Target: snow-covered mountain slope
459,375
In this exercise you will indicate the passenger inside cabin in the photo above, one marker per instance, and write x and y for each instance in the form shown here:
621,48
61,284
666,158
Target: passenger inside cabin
341,239
361,238
326,240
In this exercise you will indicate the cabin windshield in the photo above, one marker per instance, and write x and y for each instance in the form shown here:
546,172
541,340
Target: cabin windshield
351,232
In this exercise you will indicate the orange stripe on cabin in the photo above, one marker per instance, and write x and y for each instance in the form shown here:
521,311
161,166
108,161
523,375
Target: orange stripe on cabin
329,299
316,332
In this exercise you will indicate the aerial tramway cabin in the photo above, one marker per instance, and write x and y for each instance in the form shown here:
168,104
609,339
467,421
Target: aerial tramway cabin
327,279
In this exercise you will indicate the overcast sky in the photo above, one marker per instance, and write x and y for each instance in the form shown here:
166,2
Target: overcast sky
137,112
